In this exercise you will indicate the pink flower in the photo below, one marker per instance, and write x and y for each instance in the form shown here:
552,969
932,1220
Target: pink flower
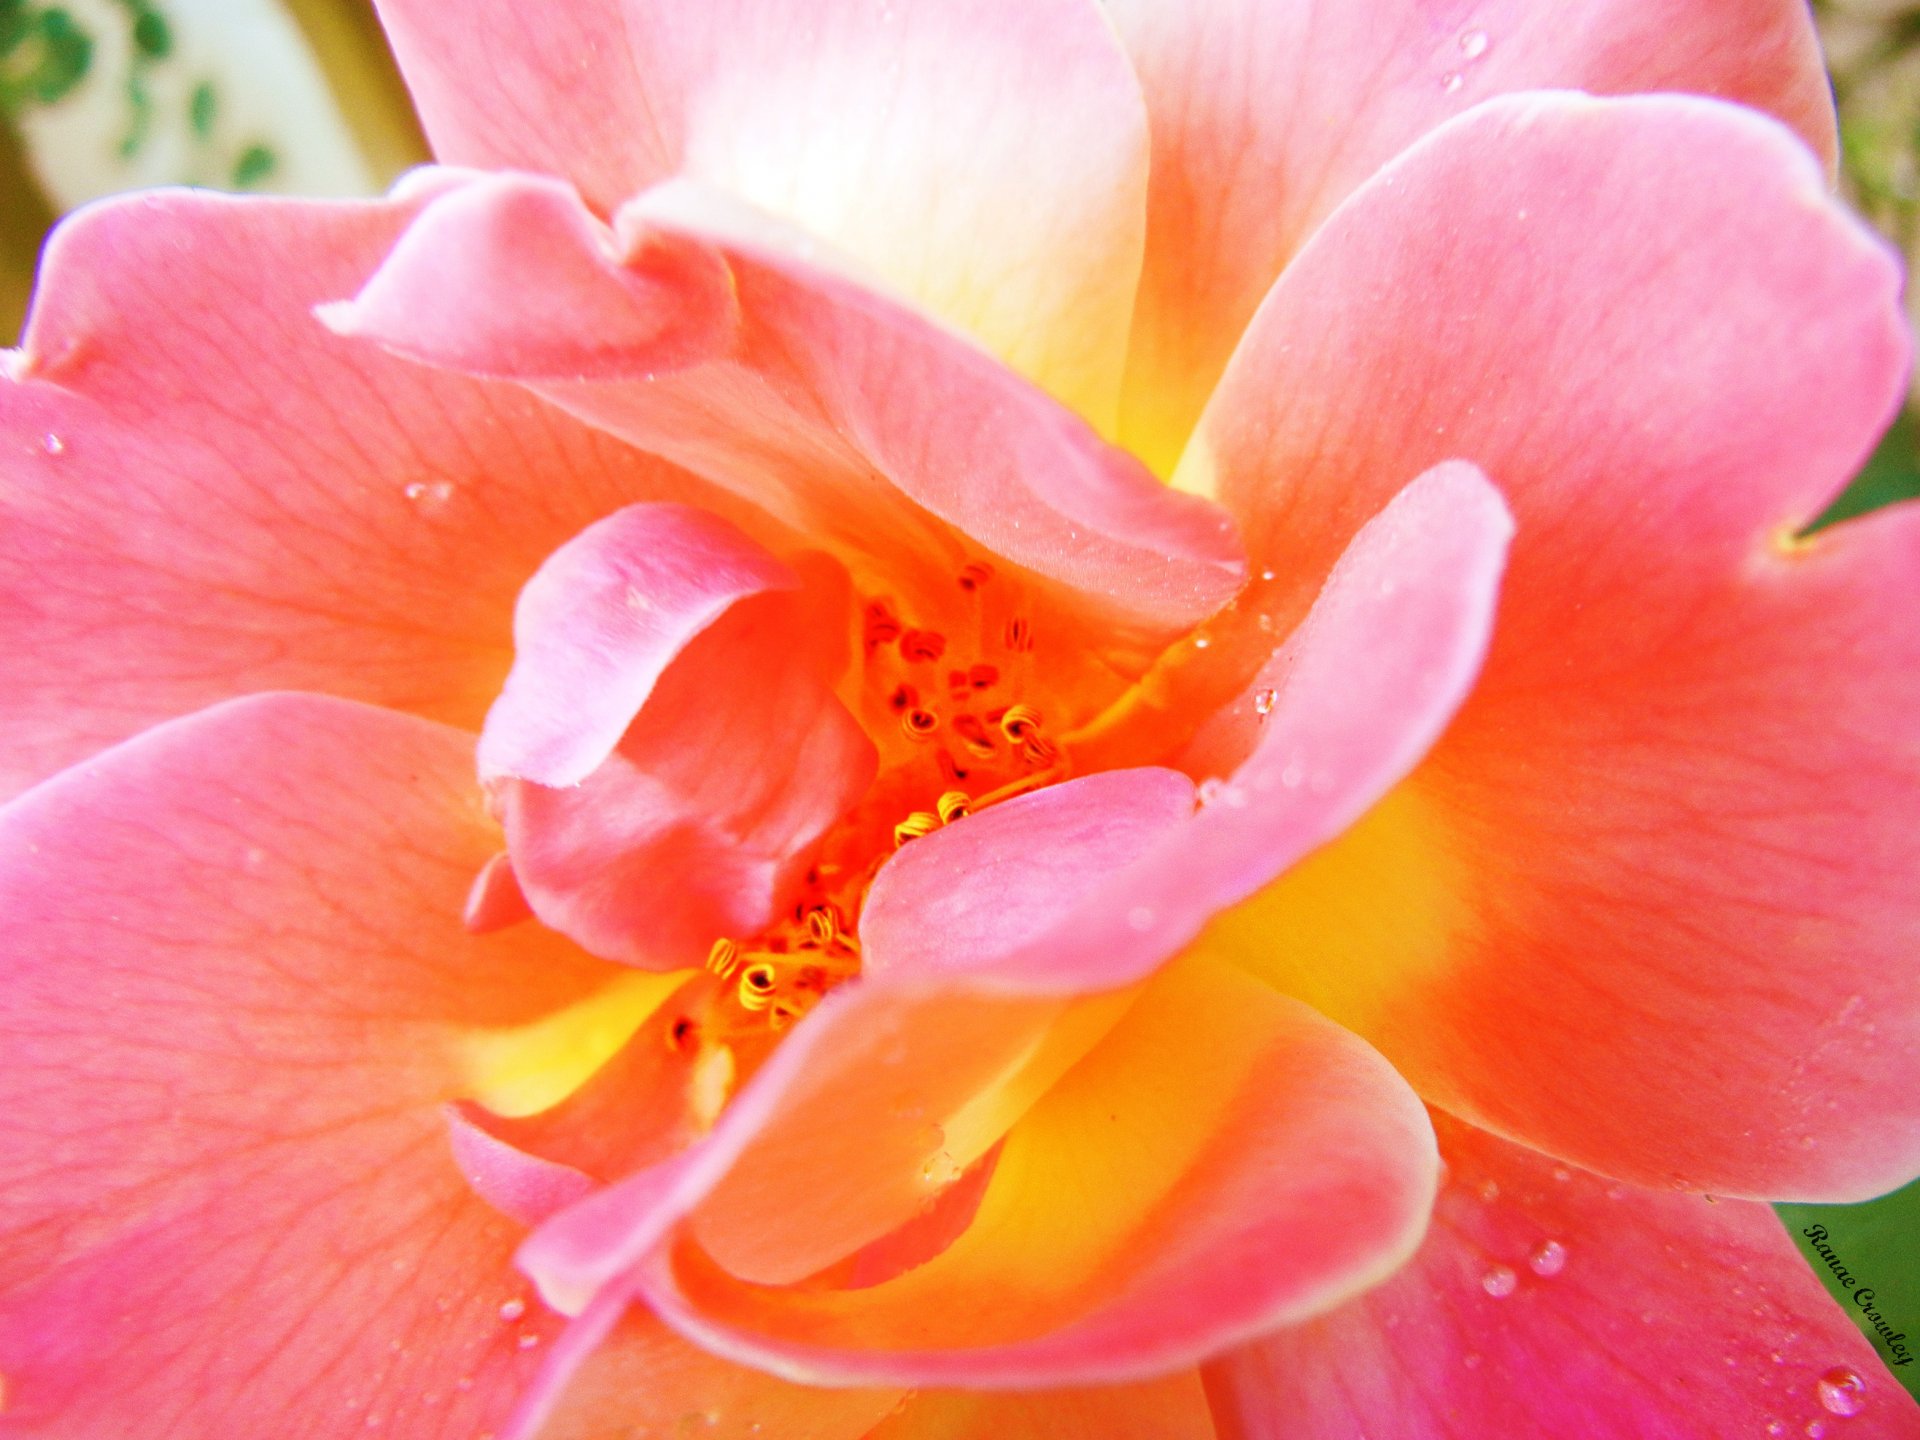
969,940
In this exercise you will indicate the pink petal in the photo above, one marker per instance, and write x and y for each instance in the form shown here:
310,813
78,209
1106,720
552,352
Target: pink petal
633,1374
986,159
864,426
1145,1211
236,978
1352,703
665,632
1267,115
1647,905
207,494
600,621
1548,1303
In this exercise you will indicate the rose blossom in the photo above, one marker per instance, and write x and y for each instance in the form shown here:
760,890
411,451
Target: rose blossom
954,935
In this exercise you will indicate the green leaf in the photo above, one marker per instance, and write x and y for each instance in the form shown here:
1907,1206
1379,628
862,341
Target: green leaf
1876,1247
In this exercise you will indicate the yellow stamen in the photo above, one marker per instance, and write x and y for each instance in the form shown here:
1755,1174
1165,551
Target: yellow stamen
953,805
920,822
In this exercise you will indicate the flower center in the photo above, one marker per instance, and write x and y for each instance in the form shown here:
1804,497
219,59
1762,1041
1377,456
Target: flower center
951,711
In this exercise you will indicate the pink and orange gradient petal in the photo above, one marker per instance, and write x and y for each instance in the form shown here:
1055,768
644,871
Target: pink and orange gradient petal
817,411
238,993
1656,855
209,495
1266,114
984,159
671,724
1142,1213
1548,1302
1174,1408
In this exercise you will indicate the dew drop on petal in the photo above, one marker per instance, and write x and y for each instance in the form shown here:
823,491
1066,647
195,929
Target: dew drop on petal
1473,44
528,1340
1489,1190
1452,81
1266,574
512,1310
1776,1427
1815,1429
1841,1392
1499,1281
1263,702
53,444
1210,789
1562,1174
1549,1259
940,1169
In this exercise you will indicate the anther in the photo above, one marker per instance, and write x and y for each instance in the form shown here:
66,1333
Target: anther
973,576
974,736
1017,722
724,955
757,983
918,645
920,822
823,925
919,724
882,624
954,805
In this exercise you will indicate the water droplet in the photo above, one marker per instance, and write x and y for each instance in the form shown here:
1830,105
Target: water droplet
1549,1259
1562,1174
1473,44
1140,918
1488,1190
429,495
53,444
940,1169
512,1310
1815,1429
1201,642
1210,789
1499,1281
1452,81
1263,702
1841,1392
528,1340
1776,1427
1265,623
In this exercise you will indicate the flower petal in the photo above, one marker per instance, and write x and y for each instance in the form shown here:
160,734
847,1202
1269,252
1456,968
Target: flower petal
1268,113
859,423
236,986
677,681
1547,1303
1171,1409
1648,904
1144,1212
206,494
986,159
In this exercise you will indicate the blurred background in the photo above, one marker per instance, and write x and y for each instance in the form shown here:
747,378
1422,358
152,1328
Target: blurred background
301,97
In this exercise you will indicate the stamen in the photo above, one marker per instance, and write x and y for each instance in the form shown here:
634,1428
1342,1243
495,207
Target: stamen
974,736
954,805
1019,721
919,724
757,984
917,645
920,822
823,925
722,958
882,625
